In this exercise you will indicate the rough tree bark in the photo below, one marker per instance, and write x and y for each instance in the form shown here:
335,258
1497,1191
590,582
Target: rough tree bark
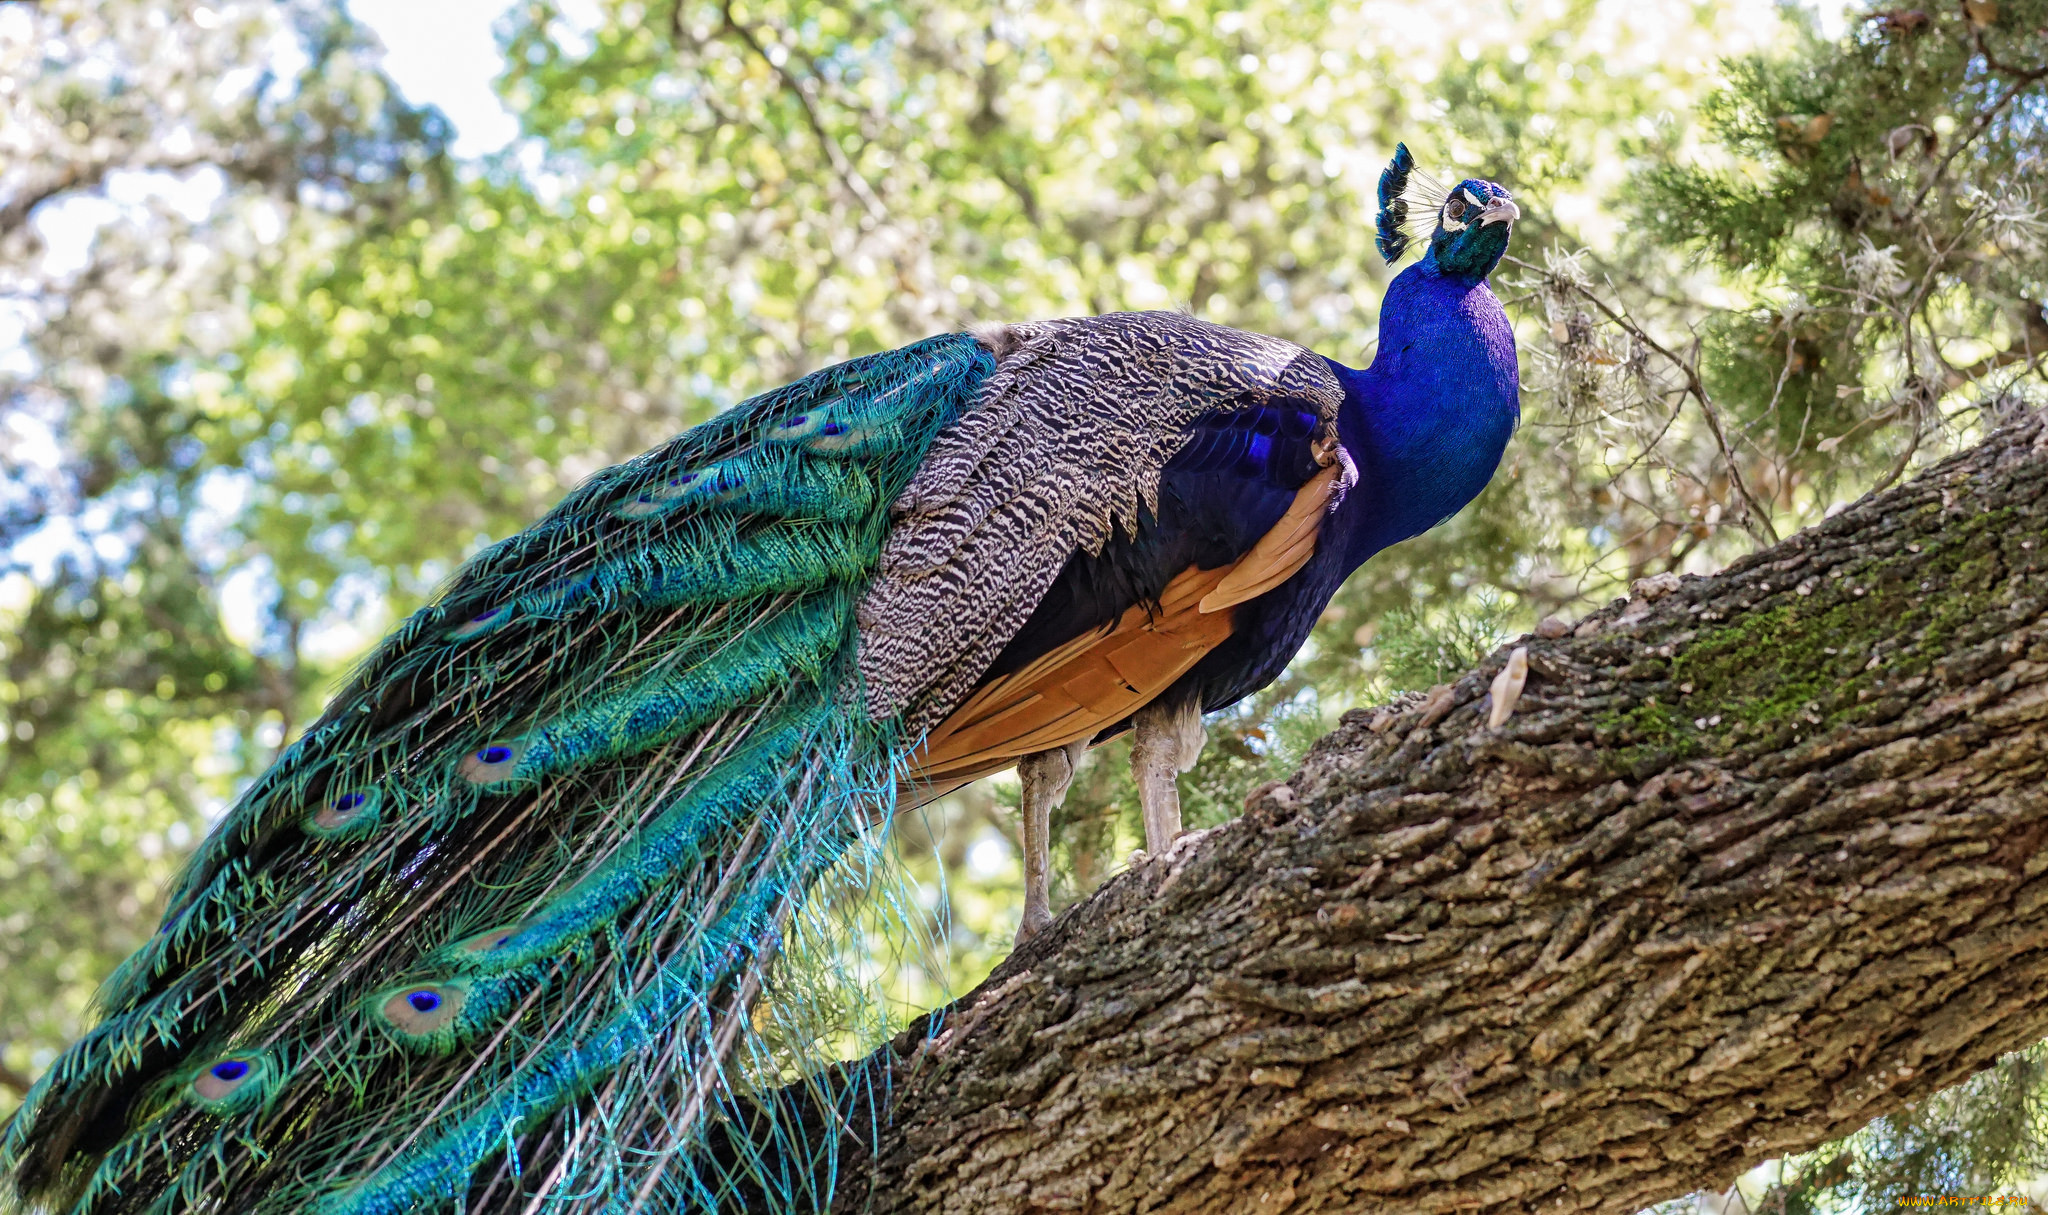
1753,861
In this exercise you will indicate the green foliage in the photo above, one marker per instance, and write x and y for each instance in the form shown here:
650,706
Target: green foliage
1417,654
131,709
1880,196
1982,1137
270,432
1986,1136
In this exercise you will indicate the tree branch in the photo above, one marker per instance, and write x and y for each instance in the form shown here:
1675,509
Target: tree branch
1756,858
1760,519
87,175
849,176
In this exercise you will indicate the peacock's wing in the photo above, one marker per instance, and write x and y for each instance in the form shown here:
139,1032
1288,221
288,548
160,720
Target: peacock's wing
1169,469
494,929
1039,694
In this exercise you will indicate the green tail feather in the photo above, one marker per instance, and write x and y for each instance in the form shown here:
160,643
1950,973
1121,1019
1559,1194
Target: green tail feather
497,923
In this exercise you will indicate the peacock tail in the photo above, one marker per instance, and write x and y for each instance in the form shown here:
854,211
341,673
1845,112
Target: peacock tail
496,930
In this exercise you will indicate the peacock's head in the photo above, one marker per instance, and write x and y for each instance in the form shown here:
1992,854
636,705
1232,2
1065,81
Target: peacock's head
1472,228
1473,219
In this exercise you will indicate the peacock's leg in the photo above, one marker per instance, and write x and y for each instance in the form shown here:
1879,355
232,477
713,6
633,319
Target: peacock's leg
1045,777
1165,741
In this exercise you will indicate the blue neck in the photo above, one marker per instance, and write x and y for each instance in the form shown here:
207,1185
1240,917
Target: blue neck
1428,421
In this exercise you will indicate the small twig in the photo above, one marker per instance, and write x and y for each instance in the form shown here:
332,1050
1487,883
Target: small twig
1655,440
15,1081
1771,411
1898,467
1752,509
841,164
1982,122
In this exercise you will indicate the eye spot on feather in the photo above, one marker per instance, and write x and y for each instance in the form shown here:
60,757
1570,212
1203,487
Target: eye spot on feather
422,1008
488,941
837,436
662,496
482,622
226,1083
557,595
802,426
729,486
494,761
343,811
641,506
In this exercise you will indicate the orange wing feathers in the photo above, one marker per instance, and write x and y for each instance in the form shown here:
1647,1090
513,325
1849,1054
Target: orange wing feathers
1101,677
1282,550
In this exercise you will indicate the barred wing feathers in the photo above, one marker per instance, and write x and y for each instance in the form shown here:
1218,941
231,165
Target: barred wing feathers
1070,437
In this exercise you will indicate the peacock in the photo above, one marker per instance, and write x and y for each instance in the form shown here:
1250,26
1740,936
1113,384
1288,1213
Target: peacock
498,931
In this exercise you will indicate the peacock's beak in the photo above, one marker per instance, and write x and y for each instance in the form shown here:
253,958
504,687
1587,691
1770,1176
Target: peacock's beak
1501,211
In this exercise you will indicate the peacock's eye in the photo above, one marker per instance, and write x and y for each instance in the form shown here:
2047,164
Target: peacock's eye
1455,209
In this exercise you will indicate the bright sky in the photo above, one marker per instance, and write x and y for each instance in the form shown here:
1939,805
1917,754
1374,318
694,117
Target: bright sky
442,53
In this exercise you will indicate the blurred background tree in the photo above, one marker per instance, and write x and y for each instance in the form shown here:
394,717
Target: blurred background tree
273,359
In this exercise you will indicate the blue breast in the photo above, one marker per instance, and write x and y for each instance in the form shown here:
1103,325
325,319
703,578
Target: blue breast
1426,424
